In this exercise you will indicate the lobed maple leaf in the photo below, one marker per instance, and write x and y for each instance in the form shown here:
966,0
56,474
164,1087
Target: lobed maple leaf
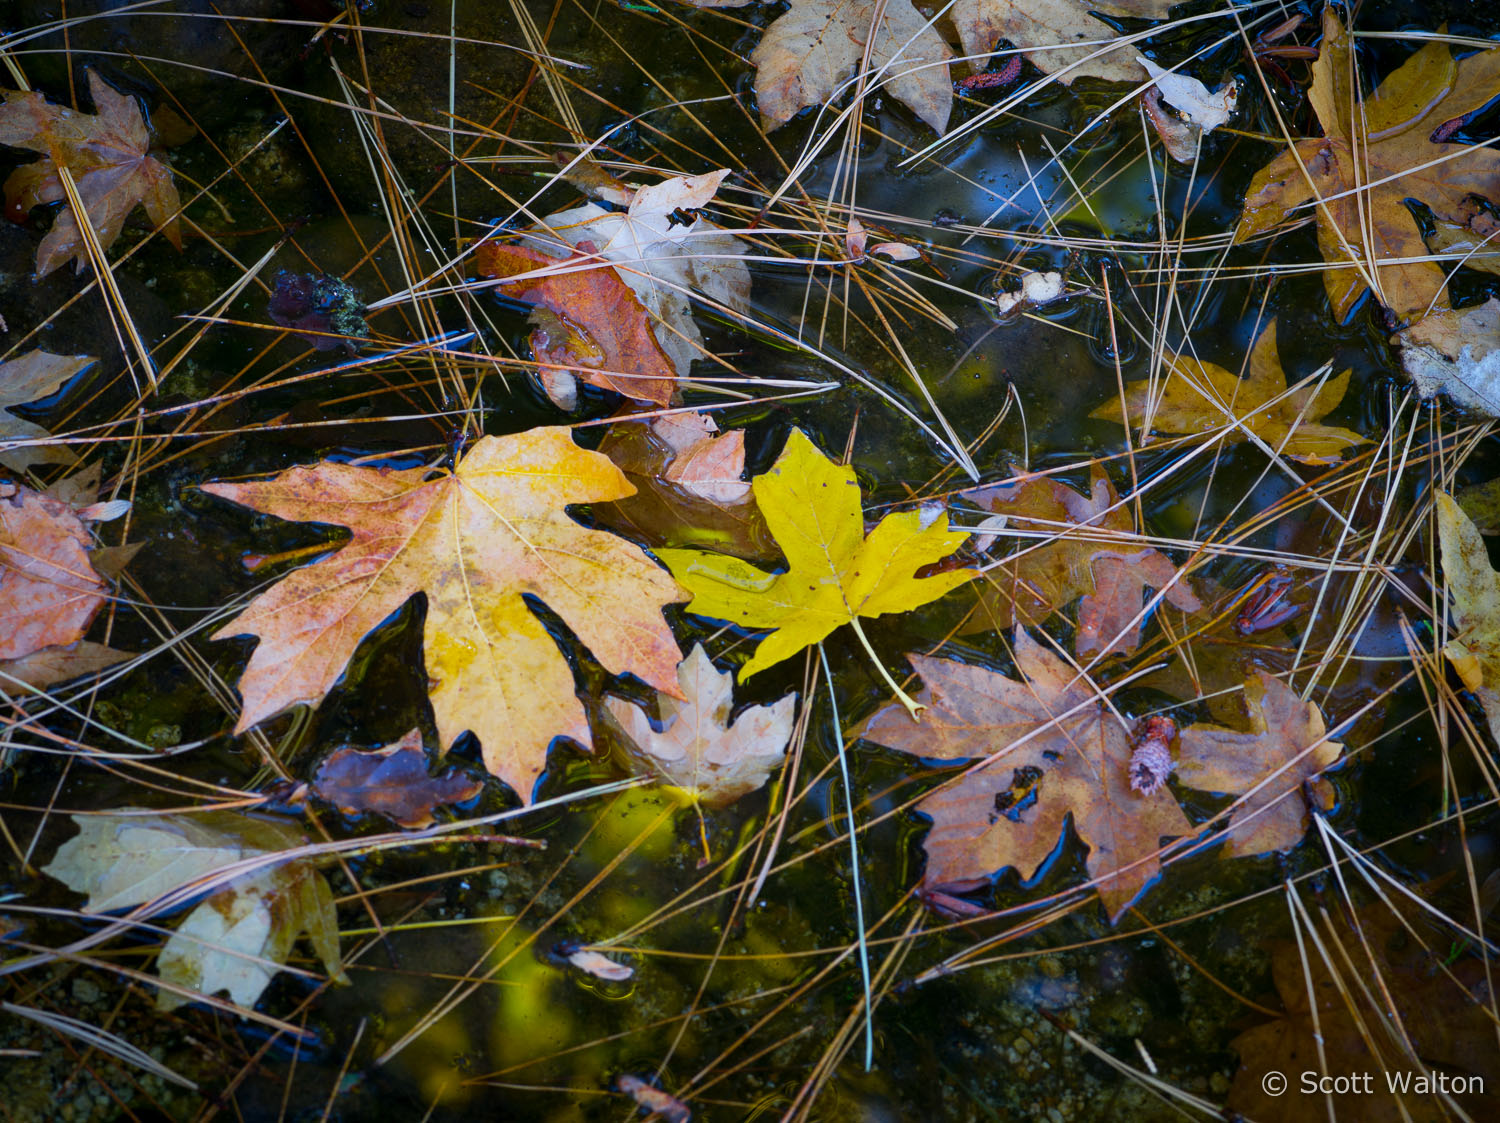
1043,577
231,940
1388,1006
835,573
1051,724
695,747
813,52
1283,755
33,376
1475,588
392,781
1204,398
475,540
1047,31
49,588
108,155
1376,155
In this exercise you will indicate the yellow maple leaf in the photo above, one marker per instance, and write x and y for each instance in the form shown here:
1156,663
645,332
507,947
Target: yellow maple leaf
474,540
1376,154
1475,589
1200,397
835,573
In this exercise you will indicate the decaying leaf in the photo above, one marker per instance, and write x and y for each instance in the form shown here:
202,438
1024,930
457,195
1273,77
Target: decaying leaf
1057,36
1042,577
677,471
596,329
475,540
53,665
1198,111
49,589
1376,154
1058,753
835,573
592,962
33,376
1037,289
109,158
662,250
392,781
1424,1022
1481,502
235,937
1475,588
1456,353
653,1099
1281,757
814,53
1204,398
695,748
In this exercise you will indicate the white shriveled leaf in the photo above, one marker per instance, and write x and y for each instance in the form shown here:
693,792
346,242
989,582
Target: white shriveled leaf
661,258
229,941
696,748
1456,353
1192,98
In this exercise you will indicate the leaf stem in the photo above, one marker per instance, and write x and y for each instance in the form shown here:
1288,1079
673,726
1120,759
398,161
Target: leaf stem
913,707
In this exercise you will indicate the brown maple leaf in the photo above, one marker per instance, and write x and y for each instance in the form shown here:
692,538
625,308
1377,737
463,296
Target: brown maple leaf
392,781
1047,29
595,328
1385,990
1058,753
476,540
1281,757
1079,557
109,158
49,589
1376,154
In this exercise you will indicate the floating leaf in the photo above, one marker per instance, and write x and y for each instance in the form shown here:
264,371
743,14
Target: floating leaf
1475,588
108,156
1281,756
1058,36
695,747
1456,353
49,590
33,376
1059,753
476,540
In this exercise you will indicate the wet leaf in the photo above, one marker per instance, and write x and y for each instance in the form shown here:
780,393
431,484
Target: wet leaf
1388,984
695,747
666,253
1061,755
475,540
52,665
835,573
1281,757
108,156
592,963
1044,28
325,312
49,589
1456,353
33,376
653,1099
1376,154
677,469
1474,587
1204,398
810,54
1076,560
598,331
392,781
233,939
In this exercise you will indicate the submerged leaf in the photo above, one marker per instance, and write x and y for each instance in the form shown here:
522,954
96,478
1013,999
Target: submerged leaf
33,376
477,540
1475,588
1205,399
392,781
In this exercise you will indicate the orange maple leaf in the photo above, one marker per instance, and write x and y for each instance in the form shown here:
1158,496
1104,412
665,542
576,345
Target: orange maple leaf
49,590
476,540
108,156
